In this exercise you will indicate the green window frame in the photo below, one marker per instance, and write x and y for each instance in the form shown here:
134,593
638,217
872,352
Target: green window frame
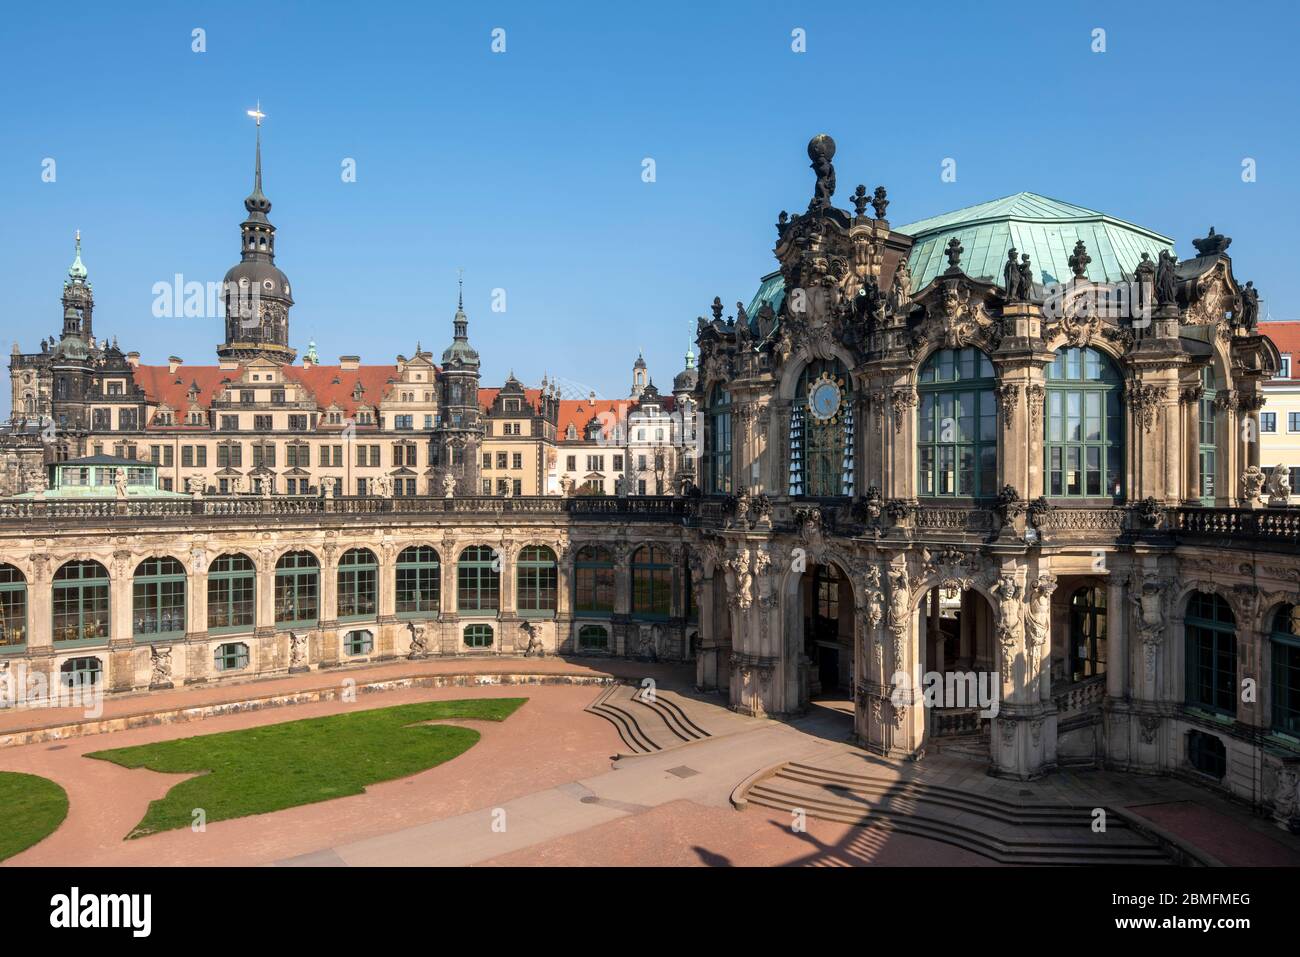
419,582
81,672
1285,678
1088,619
1207,429
158,599
478,636
957,441
359,642
80,597
478,579
297,589
13,609
537,582
652,583
232,594
1210,628
232,656
1083,426
717,437
593,638
822,463
593,580
358,585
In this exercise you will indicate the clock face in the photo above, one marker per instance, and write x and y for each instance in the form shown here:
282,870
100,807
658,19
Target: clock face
824,399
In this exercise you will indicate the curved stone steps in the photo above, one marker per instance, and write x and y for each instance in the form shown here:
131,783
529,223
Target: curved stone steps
1045,834
646,726
672,715
625,723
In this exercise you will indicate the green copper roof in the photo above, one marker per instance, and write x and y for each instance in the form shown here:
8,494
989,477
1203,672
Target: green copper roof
1046,229
771,290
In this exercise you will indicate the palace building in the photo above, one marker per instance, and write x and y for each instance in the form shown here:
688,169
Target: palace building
1015,447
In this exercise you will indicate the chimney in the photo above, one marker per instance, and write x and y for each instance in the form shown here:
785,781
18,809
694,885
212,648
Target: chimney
133,359
173,362
349,363
306,361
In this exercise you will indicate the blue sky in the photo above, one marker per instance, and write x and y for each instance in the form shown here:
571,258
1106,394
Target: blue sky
525,168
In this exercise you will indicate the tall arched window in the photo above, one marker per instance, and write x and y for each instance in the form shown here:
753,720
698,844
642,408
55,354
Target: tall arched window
822,438
535,577
593,580
1084,432
957,448
652,582
1087,651
297,589
717,449
419,581
232,587
1208,429
357,584
1285,685
1211,633
13,607
80,597
478,580
158,599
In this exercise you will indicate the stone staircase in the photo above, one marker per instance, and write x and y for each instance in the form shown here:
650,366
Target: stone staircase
646,723
1004,831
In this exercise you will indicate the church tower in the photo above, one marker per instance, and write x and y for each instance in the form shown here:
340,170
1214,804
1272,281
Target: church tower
71,365
459,432
256,294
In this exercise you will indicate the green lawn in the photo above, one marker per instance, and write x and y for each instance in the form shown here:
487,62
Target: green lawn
301,762
34,807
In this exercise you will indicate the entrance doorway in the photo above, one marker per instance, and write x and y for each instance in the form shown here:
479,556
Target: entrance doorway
827,600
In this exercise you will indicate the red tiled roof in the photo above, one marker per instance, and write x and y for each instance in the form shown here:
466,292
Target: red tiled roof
578,412
1286,336
487,396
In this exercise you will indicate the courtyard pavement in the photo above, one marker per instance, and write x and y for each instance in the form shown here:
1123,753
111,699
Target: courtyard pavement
540,788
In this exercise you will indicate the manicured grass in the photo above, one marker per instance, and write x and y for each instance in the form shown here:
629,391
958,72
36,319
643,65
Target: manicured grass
264,769
34,807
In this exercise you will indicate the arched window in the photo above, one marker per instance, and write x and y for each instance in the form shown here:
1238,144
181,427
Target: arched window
80,672
826,594
478,636
230,657
593,638
1087,651
957,448
717,449
158,599
1211,632
232,587
1285,639
593,575
652,582
478,580
360,642
13,607
297,589
357,580
80,597
419,581
1084,447
822,437
1208,430
535,577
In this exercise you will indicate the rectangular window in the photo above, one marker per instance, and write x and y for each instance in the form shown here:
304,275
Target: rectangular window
1268,421
261,423
187,456
517,460
501,460
297,423
230,423
1293,421
201,456
571,463
404,422
618,463
487,460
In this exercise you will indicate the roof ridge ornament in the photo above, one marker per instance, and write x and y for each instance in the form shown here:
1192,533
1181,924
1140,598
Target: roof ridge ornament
953,251
1215,244
1079,260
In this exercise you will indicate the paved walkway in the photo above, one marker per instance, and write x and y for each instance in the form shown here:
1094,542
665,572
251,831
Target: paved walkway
540,788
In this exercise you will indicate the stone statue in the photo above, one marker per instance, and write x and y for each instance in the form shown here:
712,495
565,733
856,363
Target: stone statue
297,652
160,660
1166,281
329,483
119,483
900,292
1279,486
1039,621
1009,627
1011,277
821,150
648,646
419,643
6,685
1144,275
384,484
1149,602
1249,307
879,202
509,490
266,487
566,485
1252,483
238,484
621,486
534,649
194,485
1026,277
448,485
